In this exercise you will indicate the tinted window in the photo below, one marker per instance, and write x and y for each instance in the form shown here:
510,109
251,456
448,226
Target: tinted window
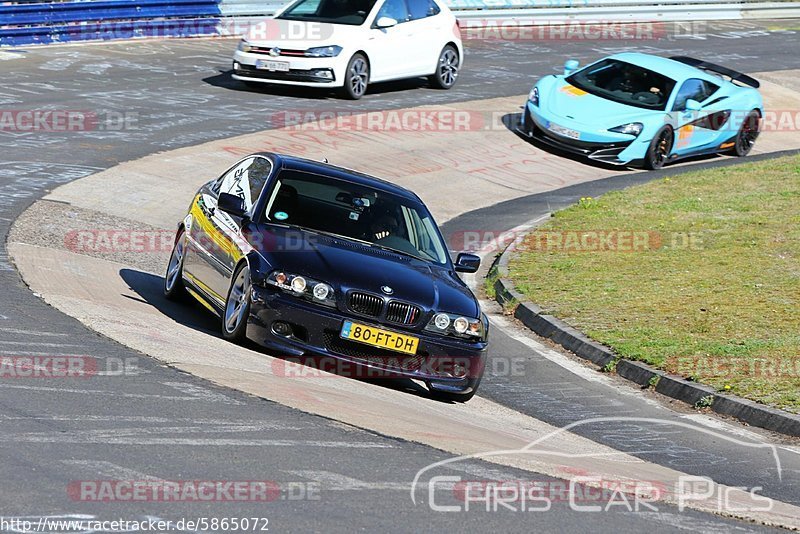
394,9
246,180
419,9
625,83
351,12
354,212
693,89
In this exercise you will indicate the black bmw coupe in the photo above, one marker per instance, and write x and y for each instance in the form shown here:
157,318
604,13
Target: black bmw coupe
315,261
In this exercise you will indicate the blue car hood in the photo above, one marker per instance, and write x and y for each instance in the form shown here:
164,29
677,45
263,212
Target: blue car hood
564,100
351,265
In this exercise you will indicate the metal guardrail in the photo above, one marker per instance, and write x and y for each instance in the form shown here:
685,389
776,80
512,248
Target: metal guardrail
47,22
30,22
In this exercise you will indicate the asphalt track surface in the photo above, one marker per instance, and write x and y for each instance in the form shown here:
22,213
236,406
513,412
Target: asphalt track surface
158,422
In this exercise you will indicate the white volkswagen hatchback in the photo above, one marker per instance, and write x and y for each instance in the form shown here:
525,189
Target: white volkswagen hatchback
349,44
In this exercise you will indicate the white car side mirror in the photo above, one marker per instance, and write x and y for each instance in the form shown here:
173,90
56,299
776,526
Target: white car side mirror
385,22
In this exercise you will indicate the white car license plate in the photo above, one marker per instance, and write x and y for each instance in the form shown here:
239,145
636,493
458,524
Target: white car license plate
263,64
566,132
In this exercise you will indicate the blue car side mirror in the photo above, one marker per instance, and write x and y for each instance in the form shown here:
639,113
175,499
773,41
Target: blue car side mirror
693,105
467,263
232,204
571,66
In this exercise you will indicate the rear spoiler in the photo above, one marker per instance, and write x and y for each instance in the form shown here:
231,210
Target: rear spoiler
705,65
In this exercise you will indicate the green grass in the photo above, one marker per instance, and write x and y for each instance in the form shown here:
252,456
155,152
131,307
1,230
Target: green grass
718,301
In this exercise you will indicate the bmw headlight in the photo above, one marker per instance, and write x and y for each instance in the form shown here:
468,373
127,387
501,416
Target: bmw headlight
457,325
244,46
632,128
533,96
303,287
323,51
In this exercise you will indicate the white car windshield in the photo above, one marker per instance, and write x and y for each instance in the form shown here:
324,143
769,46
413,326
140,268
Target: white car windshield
351,12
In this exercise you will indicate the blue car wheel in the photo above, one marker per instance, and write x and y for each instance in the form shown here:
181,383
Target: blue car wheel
748,133
660,148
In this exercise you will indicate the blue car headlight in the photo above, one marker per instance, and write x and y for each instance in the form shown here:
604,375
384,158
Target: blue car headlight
533,96
456,325
632,128
303,287
323,51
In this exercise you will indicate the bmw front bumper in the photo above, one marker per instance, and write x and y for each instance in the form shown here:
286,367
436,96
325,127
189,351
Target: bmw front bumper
314,338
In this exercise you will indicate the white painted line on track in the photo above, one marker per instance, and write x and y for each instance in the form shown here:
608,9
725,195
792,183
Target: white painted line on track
111,470
38,343
60,437
337,482
32,332
201,393
101,392
693,524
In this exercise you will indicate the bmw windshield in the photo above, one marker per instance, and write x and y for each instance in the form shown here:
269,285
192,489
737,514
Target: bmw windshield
344,209
625,83
351,12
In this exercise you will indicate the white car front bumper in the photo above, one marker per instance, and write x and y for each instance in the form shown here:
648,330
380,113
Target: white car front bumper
305,71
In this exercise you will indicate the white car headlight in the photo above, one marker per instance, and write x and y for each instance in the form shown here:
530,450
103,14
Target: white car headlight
244,46
323,51
632,128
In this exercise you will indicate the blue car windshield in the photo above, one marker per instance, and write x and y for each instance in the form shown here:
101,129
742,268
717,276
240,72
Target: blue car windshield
350,12
625,83
352,211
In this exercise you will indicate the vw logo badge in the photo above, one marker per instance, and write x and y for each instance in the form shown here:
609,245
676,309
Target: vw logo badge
388,290
275,51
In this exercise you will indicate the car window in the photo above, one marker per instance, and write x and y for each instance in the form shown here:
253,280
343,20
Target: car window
419,9
394,9
356,212
306,7
625,83
246,180
350,12
694,89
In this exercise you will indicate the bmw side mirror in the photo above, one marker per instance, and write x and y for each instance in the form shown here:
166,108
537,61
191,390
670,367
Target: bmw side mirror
571,66
232,205
467,263
693,105
385,22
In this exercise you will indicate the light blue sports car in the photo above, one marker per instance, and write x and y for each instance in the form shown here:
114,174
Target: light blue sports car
643,110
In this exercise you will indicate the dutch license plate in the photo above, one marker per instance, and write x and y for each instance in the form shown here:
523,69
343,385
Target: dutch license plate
281,66
566,132
379,338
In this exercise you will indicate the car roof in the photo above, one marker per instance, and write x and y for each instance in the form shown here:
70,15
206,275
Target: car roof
284,161
668,67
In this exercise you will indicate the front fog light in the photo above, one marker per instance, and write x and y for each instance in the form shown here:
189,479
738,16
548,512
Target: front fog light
321,291
298,284
442,321
460,325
